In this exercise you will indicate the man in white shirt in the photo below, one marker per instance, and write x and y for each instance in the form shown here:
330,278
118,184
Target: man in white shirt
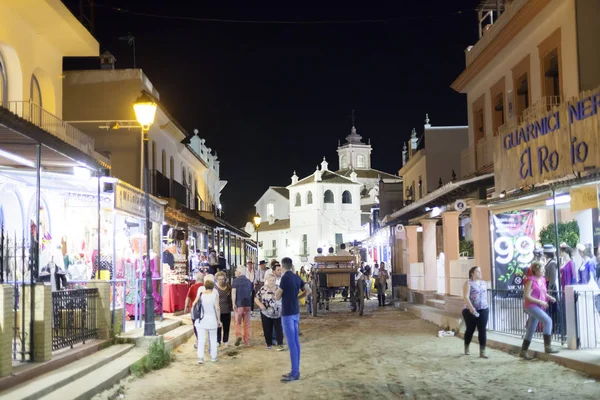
343,251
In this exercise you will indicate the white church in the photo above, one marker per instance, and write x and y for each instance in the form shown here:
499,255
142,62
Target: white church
324,209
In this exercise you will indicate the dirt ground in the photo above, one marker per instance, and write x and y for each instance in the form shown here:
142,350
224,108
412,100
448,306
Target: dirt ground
386,354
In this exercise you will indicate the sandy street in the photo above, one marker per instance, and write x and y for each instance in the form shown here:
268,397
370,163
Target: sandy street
386,354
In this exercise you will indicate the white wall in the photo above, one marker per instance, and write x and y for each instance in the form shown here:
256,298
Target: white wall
281,204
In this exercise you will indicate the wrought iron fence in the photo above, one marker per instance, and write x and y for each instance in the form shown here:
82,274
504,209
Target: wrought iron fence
587,319
15,267
74,317
507,315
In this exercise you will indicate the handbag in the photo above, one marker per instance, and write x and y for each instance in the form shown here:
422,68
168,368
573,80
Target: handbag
198,310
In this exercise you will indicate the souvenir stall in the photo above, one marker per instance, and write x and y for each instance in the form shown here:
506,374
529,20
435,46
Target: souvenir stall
130,250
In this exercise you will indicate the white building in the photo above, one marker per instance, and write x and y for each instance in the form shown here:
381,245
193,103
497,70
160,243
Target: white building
324,209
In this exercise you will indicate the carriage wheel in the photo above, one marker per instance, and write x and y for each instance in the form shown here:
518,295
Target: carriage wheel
314,299
360,297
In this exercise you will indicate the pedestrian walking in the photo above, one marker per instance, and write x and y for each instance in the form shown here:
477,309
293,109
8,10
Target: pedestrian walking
270,313
475,312
241,297
380,283
209,321
289,291
535,302
191,296
225,306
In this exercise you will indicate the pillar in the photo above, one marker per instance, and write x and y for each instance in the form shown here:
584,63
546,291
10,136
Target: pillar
412,257
451,242
6,329
429,253
481,240
103,320
42,322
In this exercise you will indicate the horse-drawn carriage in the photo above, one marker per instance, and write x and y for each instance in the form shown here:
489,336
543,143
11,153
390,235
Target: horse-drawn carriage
332,274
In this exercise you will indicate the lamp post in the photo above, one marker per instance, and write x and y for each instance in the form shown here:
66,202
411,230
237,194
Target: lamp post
256,221
145,110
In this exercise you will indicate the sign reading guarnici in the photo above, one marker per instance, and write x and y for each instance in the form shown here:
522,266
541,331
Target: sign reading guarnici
551,145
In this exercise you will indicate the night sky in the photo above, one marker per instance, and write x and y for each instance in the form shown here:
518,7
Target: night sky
274,98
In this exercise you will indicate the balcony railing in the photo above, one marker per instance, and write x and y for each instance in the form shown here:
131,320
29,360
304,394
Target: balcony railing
303,251
33,113
540,108
468,161
160,185
179,193
485,152
510,10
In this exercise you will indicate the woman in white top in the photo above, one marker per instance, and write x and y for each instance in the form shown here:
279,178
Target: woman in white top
210,322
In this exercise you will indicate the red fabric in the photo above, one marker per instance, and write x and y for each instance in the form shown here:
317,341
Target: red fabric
174,297
193,292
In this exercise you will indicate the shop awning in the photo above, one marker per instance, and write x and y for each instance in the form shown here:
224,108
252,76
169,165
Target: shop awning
448,193
19,137
217,222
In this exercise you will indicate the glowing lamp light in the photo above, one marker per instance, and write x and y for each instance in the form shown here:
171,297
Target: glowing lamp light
81,173
256,220
565,199
435,212
145,110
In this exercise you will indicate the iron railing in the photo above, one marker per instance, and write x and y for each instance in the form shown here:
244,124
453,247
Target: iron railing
179,193
159,184
16,262
74,317
271,253
507,315
587,319
35,114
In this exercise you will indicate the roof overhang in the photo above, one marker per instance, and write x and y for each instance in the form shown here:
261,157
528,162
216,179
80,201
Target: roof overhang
446,194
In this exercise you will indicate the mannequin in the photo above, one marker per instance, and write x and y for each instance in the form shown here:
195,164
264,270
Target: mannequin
587,269
568,274
551,268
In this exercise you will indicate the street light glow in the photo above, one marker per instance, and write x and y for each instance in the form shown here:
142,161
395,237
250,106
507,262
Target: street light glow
257,220
145,111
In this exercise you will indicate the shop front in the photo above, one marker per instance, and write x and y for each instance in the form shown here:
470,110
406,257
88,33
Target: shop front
546,208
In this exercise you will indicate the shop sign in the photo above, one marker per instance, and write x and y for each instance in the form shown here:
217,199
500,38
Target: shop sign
550,144
584,198
512,251
134,202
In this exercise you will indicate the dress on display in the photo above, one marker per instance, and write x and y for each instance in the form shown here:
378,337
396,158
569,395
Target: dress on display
136,285
587,273
568,275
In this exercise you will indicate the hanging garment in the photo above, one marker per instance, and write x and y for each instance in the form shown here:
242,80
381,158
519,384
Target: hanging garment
587,272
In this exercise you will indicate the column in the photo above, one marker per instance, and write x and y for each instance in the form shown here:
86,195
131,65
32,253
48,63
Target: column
6,329
103,323
481,240
451,242
42,323
429,254
414,274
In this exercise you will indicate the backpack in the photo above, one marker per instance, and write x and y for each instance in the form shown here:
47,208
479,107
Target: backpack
198,310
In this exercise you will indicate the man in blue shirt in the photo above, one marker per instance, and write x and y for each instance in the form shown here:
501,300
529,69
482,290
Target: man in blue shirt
241,296
291,288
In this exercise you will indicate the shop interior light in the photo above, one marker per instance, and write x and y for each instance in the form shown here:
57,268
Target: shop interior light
564,199
16,158
81,173
419,229
435,212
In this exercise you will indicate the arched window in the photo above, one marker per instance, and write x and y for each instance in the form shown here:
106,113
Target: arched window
36,98
270,210
328,197
3,83
172,168
346,197
361,161
154,166
183,176
298,200
164,163
309,198
344,163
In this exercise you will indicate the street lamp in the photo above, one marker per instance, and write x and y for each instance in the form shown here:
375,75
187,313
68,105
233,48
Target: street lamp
145,110
256,221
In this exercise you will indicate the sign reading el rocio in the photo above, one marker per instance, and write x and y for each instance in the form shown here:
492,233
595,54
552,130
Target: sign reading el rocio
550,145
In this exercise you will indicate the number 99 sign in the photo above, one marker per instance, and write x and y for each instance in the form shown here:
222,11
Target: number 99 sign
504,249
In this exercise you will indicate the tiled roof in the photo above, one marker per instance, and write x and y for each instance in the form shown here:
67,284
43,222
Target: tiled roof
282,191
275,226
368,173
327,177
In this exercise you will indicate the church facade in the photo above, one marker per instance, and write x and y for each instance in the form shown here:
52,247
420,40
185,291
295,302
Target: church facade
325,209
